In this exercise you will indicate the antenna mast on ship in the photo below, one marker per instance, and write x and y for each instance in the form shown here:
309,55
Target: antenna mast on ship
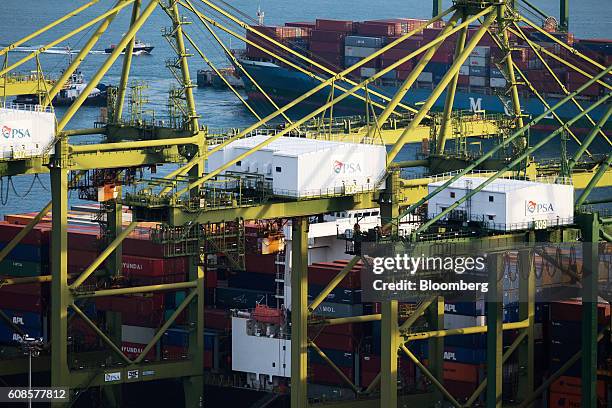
260,15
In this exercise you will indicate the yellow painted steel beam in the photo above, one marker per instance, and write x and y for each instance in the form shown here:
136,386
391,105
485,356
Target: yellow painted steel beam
136,289
49,26
351,319
24,281
443,83
53,43
418,312
277,210
20,85
464,330
127,65
509,67
75,150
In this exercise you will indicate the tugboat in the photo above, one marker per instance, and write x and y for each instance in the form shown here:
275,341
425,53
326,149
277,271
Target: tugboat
73,88
140,48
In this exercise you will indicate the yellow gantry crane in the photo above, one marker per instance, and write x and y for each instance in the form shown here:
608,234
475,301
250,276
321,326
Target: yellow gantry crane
179,204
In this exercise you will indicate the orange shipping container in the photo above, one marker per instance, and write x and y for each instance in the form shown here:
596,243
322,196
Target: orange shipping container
461,372
572,385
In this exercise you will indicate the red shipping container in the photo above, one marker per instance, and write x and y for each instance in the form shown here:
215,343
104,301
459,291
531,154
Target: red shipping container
259,263
463,80
208,359
367,377
556,400
327,36
29,289
461,372
377,29
22,302
572,385
133,350
174,352
324,374
461,390
322,273
335,342
370,363
442,56
394,54
211,279
352,329
218,319
571,310
302,24
335,25
38,236
402,75
326,47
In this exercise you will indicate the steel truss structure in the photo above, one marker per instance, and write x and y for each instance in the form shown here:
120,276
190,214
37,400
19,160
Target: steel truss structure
177,202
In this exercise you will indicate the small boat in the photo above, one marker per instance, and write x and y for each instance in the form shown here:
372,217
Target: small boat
73,88
140,48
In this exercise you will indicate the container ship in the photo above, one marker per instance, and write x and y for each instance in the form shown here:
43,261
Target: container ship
482,85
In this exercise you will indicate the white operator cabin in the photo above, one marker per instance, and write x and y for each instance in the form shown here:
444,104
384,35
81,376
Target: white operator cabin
300,167
507,204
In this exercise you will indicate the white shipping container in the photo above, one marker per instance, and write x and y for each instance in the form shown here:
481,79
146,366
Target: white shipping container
481,51
367,72
425,77
25,132
299,167
478,61
498,82
508,205
464,70
350,51
478,81
457,321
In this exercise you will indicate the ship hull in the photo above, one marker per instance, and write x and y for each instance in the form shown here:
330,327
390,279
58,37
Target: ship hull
284,85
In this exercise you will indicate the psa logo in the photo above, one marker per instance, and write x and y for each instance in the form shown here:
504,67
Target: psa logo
532,207
14,133
346,168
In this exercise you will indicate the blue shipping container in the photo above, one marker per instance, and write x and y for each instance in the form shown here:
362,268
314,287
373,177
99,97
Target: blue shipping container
465,308
252,281
338,295
479,71
361,41
333,310
29,253
180,338
349,61
24,319
234,298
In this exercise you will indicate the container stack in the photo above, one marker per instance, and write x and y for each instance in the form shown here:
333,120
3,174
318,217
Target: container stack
565,341
340,343
25,305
